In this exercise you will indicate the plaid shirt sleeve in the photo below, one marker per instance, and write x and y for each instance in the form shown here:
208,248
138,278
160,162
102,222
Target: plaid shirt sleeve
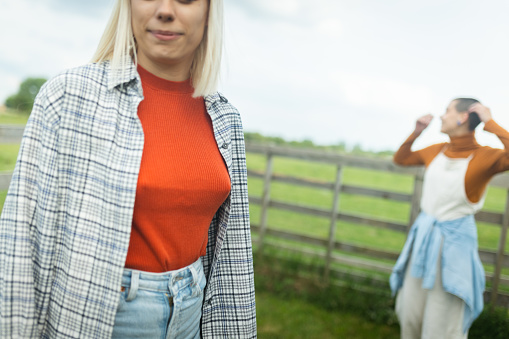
229,309
32,199
64,229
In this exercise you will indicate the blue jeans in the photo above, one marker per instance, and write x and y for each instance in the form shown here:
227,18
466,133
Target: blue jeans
161,305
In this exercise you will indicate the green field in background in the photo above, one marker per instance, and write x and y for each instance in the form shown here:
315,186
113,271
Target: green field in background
353,204
279,317
10,117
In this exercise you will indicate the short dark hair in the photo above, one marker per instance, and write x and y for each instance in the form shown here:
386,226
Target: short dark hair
462,105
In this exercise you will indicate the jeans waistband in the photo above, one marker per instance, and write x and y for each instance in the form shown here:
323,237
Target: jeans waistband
161,282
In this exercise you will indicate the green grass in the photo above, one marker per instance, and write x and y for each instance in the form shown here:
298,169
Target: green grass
3,194
293,302
8,155
12,117
295,318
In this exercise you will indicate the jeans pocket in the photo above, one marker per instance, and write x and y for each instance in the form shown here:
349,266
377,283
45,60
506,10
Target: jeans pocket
145,316
122,297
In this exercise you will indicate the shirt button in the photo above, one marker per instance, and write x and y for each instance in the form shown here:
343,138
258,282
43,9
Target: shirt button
225,146
223,99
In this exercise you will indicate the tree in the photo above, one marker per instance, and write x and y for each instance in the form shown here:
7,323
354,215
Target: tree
24,99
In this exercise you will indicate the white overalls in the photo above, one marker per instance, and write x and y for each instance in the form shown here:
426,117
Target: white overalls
435,314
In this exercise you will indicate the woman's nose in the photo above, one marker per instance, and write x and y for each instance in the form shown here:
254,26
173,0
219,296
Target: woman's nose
166,11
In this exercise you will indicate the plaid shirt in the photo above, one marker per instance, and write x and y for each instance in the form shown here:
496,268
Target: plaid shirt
66,221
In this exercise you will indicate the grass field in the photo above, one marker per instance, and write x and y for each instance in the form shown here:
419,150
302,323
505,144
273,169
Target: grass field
13,117
294,318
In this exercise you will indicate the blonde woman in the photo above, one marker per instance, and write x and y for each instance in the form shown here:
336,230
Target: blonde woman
127,214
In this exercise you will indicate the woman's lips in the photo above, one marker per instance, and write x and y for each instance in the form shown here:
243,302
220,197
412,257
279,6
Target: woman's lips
166,35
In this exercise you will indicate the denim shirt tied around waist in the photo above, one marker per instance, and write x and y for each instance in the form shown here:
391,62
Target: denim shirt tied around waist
462,270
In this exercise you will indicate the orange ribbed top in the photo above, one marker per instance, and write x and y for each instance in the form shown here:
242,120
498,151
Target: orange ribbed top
183,179
487,161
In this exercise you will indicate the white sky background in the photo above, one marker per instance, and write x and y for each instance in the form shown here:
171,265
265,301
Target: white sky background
359,71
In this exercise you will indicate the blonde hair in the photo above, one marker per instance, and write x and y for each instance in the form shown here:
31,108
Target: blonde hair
117,44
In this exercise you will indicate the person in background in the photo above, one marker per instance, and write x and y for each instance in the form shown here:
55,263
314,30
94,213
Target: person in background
127,214
438,277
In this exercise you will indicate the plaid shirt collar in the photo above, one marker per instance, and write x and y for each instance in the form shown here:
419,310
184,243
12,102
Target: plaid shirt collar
128,73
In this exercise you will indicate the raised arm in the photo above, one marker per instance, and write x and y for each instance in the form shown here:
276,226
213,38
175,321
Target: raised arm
502,162
405,156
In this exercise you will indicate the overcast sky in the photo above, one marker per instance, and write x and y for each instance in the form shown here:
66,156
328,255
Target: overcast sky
359,71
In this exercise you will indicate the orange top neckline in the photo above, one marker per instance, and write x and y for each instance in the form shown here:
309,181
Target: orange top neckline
161,84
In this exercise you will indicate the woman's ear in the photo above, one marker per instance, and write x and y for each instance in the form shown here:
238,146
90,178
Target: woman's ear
463,117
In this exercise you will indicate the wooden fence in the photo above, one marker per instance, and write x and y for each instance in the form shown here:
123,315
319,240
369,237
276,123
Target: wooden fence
368,258
332,248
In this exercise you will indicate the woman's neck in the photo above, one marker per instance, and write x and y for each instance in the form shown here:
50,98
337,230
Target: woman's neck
174,72
459,132
463,142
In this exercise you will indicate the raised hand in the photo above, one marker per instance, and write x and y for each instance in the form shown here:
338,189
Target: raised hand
482,111
422,123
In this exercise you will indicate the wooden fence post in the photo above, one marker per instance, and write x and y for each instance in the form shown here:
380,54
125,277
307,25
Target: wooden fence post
500,254
416,198
265,201
333,219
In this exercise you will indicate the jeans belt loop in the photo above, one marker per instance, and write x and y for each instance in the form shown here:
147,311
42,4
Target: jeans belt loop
194,284
133,289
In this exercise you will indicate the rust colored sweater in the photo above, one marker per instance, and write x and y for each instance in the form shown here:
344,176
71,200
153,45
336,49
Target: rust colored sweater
487,161
182,182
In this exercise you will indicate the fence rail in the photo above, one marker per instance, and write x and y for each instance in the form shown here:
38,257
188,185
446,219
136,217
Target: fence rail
11,134
363,256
